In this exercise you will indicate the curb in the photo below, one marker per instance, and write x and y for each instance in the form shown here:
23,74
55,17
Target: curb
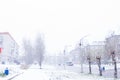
14,76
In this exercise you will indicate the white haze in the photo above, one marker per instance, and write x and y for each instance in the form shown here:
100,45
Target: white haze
62,22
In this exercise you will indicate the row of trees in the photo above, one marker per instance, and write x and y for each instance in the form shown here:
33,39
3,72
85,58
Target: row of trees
102,53
34,52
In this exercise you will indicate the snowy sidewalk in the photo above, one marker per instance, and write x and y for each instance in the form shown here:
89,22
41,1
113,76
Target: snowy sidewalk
14,70
51,73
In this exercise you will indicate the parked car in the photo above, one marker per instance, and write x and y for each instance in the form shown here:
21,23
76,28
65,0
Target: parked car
69,63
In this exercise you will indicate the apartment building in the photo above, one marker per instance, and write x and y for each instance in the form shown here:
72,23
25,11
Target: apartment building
8,48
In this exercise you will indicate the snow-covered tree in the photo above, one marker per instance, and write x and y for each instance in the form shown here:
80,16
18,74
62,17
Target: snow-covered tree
39,49
28,52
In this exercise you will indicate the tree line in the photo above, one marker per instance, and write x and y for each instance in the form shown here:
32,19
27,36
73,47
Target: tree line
107,53
33,52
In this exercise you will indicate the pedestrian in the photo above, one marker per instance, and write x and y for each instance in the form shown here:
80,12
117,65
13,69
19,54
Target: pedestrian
103,68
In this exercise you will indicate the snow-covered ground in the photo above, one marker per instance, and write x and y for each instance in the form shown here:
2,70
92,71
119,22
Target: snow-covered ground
13,70
108,66
53,73
47,73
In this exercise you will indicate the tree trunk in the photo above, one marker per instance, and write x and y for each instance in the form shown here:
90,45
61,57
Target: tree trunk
40,65
115,64
89,66
99,65
115,68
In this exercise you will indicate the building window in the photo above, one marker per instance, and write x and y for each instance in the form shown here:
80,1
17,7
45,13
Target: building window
1,40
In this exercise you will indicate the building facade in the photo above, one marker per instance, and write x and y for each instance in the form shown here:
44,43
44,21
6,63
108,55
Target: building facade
113,45
8,48
80,54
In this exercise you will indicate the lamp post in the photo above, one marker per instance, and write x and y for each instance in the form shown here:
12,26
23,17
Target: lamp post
81,44
81,59
64,58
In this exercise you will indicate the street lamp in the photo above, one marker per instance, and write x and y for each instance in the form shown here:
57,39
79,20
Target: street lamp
81,59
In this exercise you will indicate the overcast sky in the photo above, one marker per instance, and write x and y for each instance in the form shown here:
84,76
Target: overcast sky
63,22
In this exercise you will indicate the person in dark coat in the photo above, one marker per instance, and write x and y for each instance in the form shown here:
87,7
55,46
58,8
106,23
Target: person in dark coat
103,68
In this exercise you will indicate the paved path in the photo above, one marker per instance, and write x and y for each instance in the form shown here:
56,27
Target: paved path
55,74
32,74
110,73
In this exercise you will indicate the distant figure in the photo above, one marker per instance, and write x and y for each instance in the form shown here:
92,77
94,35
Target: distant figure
103,68
6,72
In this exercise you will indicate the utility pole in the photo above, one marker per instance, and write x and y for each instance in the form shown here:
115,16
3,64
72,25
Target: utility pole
81,59
81,44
